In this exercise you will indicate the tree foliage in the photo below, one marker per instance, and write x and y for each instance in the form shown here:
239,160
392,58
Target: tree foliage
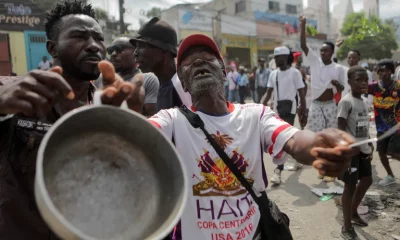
154,12
45,5
372,37
101,13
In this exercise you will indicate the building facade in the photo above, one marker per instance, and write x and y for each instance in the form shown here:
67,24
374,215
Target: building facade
319,10
244,29
371,7
22,36
238,35
339,14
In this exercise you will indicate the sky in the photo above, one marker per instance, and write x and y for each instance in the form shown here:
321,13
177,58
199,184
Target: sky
135,9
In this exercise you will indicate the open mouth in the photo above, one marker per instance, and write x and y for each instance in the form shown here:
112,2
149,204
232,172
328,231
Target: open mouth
201,72
92,60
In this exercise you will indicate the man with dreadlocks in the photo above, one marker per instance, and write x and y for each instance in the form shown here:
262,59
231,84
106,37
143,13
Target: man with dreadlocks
76,43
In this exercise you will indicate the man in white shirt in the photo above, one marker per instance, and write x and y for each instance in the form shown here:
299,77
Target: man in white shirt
285,82
44,64
217,200
327,78
353,59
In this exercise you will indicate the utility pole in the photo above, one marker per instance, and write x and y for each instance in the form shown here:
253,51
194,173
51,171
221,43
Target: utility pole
121,16
217,28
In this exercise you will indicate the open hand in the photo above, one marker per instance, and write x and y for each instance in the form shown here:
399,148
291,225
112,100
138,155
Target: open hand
339,42
35,93
333,156
116,90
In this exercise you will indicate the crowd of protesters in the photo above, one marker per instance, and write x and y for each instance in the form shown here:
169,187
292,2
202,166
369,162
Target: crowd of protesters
156,77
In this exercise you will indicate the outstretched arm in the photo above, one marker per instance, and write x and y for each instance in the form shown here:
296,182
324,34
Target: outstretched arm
303,35
327,151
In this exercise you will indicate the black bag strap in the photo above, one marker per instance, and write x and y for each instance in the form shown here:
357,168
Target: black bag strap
277,86
196,122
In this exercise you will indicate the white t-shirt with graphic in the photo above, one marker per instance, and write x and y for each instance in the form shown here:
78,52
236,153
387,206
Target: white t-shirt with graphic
218,206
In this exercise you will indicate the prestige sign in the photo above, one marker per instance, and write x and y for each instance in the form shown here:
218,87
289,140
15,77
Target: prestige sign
20,15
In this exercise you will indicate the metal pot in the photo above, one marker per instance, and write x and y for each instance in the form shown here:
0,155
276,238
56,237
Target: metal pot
105,173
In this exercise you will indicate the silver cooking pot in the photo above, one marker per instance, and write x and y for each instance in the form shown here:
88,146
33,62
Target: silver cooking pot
106,173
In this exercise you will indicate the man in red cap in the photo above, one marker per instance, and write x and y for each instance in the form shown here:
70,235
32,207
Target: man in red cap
244,131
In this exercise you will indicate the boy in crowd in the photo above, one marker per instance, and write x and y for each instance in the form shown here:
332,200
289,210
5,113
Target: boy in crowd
386,93
353,118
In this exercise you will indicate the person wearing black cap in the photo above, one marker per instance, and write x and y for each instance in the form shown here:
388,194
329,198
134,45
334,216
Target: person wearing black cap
386,93
156,47
243,131
121,56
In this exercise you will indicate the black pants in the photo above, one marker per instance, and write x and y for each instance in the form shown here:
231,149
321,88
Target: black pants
242,93
289,119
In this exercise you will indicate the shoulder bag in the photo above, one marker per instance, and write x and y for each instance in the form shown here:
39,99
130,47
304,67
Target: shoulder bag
274,224
284,107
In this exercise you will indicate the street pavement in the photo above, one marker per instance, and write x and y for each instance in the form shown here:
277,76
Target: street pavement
313,219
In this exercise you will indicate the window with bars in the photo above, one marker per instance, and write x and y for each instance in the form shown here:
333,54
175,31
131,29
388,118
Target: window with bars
273,6
292,9
240,7
37,39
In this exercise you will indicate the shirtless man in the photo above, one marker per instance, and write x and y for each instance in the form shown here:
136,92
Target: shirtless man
327,78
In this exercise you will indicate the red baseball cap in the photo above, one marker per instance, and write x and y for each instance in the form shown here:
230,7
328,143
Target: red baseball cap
197,40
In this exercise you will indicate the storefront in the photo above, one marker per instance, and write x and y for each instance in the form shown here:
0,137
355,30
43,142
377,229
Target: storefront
266,47
242,49
21,26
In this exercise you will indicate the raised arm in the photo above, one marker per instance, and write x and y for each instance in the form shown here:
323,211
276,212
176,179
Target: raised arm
303,35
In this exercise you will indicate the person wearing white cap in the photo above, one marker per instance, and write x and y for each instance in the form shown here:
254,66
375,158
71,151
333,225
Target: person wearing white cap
285,82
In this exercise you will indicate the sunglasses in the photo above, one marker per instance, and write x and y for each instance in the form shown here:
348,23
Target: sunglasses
117,48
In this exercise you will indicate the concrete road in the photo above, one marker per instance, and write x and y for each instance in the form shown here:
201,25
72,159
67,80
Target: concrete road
312,219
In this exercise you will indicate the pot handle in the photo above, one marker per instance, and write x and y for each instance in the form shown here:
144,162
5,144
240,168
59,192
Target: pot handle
97,100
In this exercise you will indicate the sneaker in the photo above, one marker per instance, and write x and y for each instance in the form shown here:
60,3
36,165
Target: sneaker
357,220
387,181
329,179
320,176
349,234
295,166
276,178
